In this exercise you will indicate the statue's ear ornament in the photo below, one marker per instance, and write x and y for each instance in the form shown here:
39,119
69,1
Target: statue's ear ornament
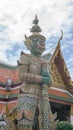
28,42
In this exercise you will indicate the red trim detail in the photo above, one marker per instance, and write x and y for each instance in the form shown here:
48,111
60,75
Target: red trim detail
61,102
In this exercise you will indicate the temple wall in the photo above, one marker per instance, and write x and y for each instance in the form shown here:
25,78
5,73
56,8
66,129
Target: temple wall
72,110
72,115
8,72
72,120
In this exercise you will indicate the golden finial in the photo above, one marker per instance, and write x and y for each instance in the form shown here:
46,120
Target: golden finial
61,37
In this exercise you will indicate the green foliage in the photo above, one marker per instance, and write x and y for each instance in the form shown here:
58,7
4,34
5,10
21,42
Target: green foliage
64,125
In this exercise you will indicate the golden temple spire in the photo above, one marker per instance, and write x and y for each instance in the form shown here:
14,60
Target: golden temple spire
61,37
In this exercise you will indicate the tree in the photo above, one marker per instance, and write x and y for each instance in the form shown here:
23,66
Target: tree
64,125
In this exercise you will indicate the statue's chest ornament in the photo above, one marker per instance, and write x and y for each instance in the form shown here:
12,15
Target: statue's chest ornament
34,68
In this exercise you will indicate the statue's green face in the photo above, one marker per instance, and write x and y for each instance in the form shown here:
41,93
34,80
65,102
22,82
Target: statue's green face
38,46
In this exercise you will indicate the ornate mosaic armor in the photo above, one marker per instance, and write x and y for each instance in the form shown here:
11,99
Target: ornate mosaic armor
30,90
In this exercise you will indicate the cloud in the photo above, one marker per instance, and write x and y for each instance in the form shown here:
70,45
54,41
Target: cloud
16,18
52,15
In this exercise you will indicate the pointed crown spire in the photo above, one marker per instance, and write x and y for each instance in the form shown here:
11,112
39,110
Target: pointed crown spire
35,21
35,28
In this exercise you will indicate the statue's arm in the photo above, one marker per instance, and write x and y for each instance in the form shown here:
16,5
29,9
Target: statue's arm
31,78
25,75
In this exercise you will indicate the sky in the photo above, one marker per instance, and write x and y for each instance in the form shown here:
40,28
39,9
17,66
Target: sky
16,18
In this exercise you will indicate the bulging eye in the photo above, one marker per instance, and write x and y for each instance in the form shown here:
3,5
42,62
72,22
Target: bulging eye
38,43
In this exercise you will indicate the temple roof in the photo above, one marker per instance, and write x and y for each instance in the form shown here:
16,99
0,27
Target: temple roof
55,95
55,57
60,96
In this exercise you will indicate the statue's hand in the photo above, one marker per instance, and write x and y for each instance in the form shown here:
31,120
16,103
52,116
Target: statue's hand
46,80
45,70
